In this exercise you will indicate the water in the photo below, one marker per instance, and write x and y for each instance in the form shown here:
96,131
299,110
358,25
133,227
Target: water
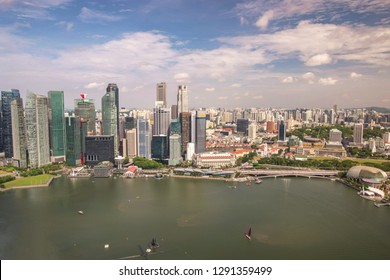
291,218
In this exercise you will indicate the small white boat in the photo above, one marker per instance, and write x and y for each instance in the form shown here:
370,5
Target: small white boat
106,246
80,212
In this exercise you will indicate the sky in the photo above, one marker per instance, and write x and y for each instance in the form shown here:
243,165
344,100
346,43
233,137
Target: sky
249,53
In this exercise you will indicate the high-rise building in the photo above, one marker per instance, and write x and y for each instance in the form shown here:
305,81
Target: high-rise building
386,137
270,127
143,138
37,127
174,149
174,114
182,99
252,128
73,141
200,121
358,133
131,141
99,148
113,89
190,151
242,126
19,141
85,109
160,147
162,119
185,123
6,122
110,118
57,125
161,93
175,127
335,135
281,131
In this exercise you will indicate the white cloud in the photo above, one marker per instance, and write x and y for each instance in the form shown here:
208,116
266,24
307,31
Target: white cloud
355,75
236,85
288,80
89,15
222,97
309,76
94,85
210,89
258,97
327,81
181,77
69,26
263,21
319,59
243,21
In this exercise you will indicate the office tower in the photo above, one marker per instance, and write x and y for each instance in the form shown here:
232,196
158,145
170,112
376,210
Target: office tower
143,138
57,125
37,127
85,109
160,147
73,141
335,135
174,114
182,99
281,131
130,123
131,141
174,149
175,127
113,89
332,117
110,116
190,151
185,123
358,133
99,148
242,126
161,93
162,119
19,142
200,131
6,122
270,127
252,128
193,127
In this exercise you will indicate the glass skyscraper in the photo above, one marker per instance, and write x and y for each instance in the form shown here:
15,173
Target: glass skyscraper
182,99
200,120
73,140
143,138
109,117
37,127
19,142
161,93
6,122
57,125
85,108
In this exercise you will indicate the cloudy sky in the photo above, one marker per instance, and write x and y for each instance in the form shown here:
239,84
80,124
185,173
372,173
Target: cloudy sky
249,53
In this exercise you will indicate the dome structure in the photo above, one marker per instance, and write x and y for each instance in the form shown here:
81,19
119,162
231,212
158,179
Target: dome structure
367,173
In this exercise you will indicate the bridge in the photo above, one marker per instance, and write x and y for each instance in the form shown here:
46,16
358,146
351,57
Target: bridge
267,173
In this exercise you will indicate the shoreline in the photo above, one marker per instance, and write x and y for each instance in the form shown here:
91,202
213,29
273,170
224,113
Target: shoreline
31,186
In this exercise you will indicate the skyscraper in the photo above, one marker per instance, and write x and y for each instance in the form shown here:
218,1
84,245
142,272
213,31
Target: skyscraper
73,141
85,109
281,131
161,94
57,125
182,99
113,89
162,119
143,138
185,123
19,142
6,122
358,133
160,147
242,126
37,127
109,116
131,141
252,128
200,131
335,135
174,149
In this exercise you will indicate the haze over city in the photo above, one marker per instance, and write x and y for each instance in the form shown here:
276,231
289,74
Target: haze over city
229,53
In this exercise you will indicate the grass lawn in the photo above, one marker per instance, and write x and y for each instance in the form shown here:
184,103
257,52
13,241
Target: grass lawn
27,181
359,160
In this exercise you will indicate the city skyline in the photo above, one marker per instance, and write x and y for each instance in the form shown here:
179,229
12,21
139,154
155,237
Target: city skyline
229,53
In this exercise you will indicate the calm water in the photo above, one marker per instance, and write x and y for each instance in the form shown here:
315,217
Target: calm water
291,218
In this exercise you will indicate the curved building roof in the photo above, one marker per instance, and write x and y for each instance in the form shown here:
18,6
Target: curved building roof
367,172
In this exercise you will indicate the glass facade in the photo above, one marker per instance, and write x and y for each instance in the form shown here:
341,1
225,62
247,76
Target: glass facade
160,147
18,134
73,140
143,138
85,108
200,144
185,123
109,117
6,121
57,123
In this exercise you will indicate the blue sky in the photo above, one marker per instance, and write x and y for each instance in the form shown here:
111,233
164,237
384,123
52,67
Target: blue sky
250,53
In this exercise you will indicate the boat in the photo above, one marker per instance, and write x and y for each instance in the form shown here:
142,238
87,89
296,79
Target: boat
232,187
154,244
258,181
248,233
81,212
158,176
106,246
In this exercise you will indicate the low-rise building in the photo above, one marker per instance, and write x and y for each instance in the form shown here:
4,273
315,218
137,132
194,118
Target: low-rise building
214,160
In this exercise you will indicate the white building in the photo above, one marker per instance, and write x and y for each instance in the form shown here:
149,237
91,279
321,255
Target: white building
252,128
214,160
190,151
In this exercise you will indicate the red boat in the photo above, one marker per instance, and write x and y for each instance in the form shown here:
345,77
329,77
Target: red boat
248,233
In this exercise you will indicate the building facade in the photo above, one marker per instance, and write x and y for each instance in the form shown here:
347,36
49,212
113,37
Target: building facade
98,149
19,140
175,149
335,135
110,118
131,142
358,133
57,125
6,122
85,109
182,99
73,141
214,160
200,141
161,93
144,138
